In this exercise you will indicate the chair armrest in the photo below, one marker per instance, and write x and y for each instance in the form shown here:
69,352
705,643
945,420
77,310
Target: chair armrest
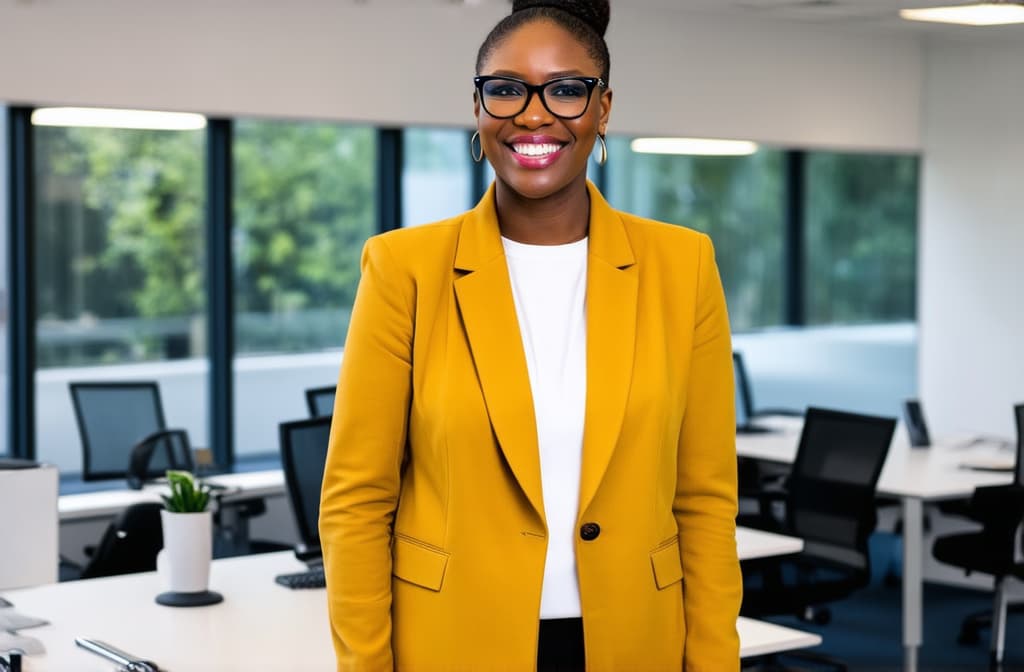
142,455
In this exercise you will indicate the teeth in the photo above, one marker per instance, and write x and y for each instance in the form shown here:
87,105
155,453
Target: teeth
536,150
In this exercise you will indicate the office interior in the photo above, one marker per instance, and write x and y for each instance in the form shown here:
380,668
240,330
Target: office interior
387,84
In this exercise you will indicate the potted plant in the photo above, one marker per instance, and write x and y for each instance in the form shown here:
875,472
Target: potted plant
185,559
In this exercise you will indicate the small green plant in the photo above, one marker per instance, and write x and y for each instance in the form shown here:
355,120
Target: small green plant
187,494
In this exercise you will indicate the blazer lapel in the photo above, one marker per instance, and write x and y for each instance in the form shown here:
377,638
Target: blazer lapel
611,336
488,312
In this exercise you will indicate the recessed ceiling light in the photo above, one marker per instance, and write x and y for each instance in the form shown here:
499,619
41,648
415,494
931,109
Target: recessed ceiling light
699,146
98,117
982,14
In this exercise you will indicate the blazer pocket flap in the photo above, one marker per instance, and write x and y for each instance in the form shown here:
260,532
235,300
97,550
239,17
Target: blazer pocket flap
419,564
667,566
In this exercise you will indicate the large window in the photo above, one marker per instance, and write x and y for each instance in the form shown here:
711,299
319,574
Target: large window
436,175
119,252
860,238
738,201
304,204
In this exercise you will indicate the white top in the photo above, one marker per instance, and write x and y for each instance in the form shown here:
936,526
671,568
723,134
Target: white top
549,286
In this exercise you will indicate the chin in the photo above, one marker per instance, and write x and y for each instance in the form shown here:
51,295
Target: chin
536,186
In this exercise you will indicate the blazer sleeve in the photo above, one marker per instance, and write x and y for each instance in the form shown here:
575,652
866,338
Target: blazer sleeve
705,504
361,476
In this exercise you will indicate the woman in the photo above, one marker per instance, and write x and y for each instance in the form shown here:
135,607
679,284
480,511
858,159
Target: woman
532,460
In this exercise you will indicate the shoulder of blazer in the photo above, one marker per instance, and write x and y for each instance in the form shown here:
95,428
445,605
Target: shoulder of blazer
660,240
426,247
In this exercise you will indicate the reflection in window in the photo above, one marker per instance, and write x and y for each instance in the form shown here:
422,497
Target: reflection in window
436,175
860,238
304,204
737,200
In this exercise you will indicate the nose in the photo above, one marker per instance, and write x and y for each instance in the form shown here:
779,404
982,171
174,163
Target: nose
534,115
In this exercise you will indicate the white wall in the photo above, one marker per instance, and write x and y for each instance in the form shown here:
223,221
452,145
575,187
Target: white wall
971,277
673,73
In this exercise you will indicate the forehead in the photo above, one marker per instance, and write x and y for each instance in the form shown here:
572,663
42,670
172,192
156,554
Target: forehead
539,50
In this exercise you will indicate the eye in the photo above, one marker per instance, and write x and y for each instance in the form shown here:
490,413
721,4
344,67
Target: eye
503,89
568,89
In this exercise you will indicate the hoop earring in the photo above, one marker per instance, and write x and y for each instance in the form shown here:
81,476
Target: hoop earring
477,156
604,151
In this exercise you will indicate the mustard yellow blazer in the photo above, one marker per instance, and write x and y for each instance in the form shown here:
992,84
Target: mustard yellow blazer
432,520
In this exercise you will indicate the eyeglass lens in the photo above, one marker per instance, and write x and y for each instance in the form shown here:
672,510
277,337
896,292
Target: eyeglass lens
562,97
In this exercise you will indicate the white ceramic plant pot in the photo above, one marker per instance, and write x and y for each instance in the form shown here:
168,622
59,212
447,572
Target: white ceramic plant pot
184,562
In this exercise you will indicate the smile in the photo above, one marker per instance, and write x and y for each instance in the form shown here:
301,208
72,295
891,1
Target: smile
536,150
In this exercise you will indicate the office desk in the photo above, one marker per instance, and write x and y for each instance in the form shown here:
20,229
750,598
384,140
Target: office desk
108,503
915,475
260,626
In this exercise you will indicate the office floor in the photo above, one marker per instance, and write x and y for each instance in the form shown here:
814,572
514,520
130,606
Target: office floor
865,630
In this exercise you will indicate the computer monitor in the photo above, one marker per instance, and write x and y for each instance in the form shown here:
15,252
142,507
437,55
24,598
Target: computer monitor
303,454
1018,416
917,428
744,399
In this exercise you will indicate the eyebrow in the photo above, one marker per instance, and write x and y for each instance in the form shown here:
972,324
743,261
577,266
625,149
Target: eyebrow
550,76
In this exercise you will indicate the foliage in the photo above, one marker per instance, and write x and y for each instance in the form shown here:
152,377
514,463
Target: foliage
187,494
860,227
121,249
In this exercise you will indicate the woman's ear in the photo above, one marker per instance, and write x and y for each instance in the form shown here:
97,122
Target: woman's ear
606,109
476,106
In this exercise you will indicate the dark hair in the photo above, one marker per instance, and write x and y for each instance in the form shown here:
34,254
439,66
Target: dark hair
587,20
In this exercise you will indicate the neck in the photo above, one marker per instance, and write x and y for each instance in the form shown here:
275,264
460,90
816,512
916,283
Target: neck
560,218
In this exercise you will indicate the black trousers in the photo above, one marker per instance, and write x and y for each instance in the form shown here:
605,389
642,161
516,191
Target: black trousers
560,645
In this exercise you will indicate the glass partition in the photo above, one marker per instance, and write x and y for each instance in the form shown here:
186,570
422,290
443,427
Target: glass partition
436,174
304,204
737,200
119,251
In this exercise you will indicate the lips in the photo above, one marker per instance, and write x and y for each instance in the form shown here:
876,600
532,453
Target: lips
535,151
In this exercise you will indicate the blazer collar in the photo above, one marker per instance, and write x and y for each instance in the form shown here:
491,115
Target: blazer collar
484,295
480,238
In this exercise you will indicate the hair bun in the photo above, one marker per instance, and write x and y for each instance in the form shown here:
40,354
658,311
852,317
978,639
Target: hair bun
594,13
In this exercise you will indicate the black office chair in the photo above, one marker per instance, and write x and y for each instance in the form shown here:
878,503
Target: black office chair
320,401
303,455
129,544
124,435
829,503
759,481
1000,511
116,417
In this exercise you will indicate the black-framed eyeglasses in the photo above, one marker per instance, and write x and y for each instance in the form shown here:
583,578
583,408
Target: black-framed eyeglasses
564,97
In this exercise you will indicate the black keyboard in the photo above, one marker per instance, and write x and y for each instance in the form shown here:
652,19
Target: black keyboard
312,578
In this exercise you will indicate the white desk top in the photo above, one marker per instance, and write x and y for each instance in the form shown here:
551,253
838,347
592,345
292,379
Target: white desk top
752,544
260,626
107,503
930,473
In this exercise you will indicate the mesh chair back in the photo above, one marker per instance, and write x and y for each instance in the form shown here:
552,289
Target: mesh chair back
832,484
303,454
320,401
112,417
1018,415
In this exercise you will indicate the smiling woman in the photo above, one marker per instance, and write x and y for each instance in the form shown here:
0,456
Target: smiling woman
534,433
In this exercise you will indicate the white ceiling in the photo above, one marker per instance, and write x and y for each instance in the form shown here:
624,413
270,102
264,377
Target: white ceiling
878,15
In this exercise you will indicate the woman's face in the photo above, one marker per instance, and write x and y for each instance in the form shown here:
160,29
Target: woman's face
536,153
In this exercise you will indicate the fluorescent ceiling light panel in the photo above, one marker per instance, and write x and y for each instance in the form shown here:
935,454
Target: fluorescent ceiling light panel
699,146
984,14
97,117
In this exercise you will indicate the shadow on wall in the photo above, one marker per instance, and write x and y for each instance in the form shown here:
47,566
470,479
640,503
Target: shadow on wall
864,369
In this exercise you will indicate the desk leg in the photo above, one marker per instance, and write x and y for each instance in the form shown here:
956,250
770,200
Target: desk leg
913,562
